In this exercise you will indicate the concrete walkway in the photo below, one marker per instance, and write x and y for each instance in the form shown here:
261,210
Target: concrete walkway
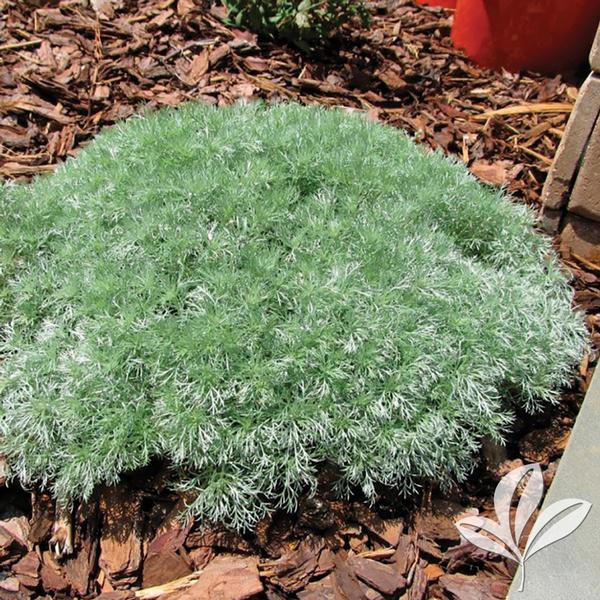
570,568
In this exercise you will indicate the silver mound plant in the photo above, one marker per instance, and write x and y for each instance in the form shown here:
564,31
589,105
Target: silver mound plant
250,292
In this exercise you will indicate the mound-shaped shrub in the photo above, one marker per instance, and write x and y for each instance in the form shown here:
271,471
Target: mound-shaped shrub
250,292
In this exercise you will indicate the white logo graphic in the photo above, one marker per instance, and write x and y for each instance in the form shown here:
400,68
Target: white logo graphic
503,537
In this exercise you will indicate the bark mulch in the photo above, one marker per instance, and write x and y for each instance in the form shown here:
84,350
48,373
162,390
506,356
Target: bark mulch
68,69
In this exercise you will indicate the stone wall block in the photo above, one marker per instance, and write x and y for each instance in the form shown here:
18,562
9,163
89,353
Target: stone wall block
550,219
577,133
585,197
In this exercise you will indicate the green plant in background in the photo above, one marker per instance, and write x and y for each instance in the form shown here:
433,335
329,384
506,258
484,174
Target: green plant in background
305,23
248,292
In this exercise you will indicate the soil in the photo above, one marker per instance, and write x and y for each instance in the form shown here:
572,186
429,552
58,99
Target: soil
67,69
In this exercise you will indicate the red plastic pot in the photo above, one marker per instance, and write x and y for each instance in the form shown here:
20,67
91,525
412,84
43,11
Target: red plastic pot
540,35
548,36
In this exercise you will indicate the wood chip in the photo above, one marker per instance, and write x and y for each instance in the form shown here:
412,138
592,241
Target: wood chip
525,109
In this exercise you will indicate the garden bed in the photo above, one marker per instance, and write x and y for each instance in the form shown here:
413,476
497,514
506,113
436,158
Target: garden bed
88,73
